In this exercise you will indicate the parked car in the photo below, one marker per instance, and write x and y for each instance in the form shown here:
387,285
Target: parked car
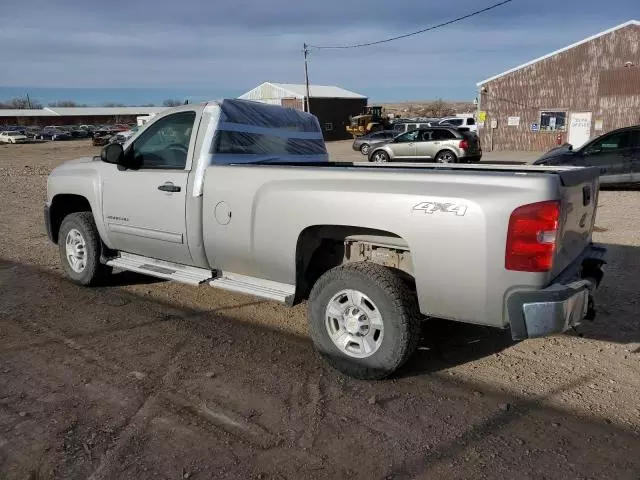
76,132
122,137
479,244
101,138
365,142
54,133
13,136
616,154
468,122
434,144
402,127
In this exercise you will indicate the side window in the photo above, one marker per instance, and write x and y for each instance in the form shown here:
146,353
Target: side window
412,126
165,144
635,138
615,141
408,137
426,135
471,121
443,135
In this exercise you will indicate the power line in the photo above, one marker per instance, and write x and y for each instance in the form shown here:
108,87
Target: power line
440,25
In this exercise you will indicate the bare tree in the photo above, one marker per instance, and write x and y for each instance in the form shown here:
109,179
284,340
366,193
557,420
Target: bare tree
113,104
439,108
65,104
171,102
20,103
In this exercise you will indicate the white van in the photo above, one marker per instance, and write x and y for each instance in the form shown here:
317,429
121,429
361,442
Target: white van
403,127
468,122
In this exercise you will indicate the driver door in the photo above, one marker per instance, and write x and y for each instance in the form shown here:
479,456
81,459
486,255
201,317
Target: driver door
403,146
611,154
144,207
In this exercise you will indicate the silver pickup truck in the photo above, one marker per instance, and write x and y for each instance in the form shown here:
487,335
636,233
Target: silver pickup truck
241,196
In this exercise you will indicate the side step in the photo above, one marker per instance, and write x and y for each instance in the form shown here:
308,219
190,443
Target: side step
280,292
160,268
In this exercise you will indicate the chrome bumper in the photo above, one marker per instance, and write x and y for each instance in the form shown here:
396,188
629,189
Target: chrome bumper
562,305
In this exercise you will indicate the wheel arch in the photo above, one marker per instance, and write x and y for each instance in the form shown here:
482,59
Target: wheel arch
446,149
320,248
62,205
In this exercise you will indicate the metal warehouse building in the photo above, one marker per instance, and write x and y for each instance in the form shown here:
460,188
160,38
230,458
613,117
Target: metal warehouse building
570,95
75,115
332,105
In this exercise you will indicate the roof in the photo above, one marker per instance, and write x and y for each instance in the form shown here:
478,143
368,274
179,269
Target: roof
80,111
10,112
556,52
297,90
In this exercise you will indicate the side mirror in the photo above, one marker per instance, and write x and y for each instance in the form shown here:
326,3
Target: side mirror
112,153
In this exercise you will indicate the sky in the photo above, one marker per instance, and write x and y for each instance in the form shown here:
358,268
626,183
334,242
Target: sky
143,51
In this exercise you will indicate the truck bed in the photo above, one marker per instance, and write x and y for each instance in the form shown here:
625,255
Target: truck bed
568,175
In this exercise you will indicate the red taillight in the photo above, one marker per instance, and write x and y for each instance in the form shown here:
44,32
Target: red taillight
463,145
531,238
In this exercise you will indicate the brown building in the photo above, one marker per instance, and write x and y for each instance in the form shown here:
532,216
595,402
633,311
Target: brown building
570,95
332,105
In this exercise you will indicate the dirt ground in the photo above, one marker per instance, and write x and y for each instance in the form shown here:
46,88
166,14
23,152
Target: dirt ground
147,379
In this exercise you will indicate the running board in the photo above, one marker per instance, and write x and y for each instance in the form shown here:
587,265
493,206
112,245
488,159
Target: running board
160,268
233,282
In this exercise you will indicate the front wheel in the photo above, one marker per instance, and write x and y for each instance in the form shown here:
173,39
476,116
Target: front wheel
380,156
364,320
79,245
364,149
446,156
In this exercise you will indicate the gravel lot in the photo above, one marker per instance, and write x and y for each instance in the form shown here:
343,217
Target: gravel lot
147,379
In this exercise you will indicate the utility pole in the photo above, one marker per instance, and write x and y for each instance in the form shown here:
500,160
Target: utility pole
306,77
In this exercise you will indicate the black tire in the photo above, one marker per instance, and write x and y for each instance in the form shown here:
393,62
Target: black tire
364,149
93,270
446,156
397,303
379,156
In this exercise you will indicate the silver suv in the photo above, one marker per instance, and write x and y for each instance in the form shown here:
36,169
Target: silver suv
433,144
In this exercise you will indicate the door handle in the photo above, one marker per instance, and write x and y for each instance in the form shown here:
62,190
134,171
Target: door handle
169,187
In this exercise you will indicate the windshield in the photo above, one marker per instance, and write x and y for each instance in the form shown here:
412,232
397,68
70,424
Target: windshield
13,134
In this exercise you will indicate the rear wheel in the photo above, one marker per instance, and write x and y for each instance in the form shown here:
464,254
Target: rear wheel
364,149
380,156
446,156
364,320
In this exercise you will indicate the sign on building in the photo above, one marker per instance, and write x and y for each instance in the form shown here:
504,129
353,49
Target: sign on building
513,121
535,127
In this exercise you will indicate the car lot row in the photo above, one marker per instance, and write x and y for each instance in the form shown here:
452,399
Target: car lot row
101,134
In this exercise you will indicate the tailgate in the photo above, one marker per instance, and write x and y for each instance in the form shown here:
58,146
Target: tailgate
578,212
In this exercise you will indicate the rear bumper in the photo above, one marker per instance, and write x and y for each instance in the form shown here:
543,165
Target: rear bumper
563,304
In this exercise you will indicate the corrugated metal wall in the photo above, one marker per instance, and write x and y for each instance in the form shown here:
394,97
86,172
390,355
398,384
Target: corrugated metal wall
591,77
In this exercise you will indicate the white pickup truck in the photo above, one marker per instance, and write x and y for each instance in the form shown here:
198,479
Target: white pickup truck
241,196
